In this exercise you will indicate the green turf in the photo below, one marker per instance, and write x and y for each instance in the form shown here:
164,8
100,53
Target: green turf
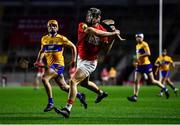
25,105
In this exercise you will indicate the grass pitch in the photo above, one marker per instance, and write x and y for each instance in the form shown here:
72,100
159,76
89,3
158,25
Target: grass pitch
25,105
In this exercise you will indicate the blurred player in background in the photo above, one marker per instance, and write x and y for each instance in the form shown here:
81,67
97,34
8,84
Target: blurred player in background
90,36
112,76
52,46
38,77
104,76
164,64
3,81
143,66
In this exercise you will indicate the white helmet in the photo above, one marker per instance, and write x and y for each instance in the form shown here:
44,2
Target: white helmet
139,35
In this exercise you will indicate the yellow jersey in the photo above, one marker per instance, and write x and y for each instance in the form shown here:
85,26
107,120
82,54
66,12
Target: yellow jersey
53,48
164,62
141,48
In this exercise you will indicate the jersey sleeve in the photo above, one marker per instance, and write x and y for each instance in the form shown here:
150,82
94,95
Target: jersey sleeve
157,60
82,27
42,43
170,60
66,41
146,47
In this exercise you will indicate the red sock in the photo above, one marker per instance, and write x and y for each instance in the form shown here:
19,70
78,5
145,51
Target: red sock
70,101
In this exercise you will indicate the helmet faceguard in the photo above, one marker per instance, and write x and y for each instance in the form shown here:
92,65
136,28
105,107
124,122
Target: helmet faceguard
139,37
93,13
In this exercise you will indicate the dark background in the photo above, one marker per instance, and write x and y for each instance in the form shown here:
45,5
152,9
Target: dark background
23,23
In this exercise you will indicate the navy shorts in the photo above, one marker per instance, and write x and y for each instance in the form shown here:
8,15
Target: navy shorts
165,74
144,68
57,68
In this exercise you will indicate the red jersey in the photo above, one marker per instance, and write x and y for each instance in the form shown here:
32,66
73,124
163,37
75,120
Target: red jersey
89,45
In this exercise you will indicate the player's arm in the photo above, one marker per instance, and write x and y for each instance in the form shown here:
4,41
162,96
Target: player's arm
100,32
40,56
39,59
157,64
172,63
92,30
69,44
156,71
146,53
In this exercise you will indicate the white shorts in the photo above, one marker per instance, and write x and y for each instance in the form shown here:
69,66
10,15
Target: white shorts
86,66
40,74
106,78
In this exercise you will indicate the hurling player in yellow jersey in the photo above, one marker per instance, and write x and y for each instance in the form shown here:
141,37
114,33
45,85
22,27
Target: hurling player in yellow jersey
52,46
163,63
143,65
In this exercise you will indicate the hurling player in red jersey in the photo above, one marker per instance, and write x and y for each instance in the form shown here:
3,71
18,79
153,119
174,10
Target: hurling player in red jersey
91,34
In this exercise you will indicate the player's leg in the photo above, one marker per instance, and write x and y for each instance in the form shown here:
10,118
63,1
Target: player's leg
163,81
84,69
93,87
90,85
137,78
158,83
65,87
62,83
49,74
75,80
170,83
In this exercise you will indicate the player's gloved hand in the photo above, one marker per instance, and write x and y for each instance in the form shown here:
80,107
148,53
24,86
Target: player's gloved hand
38,64
117,32
113,28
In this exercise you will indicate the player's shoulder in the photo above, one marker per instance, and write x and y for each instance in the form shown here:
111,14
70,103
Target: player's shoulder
44,38
59,36
168,57
160,57
145,43
83,25
62,37
137,45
